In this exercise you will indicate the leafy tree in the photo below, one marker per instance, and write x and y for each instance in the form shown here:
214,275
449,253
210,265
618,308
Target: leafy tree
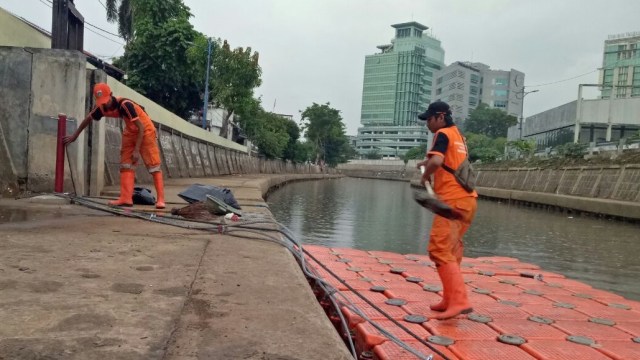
234,75
325,130
121,12
484,148
271,136
491,122
416,153
303,152
157,59
292,147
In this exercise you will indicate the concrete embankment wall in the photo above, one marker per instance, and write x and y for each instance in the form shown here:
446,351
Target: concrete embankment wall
606,190
38,84
380,169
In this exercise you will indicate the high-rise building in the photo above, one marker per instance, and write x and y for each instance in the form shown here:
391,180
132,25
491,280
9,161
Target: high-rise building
397,87
621,66
463,85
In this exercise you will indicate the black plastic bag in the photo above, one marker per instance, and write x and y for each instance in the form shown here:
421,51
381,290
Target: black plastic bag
143,196
199,192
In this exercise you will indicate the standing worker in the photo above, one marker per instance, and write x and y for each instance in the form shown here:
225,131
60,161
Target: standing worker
447,154
138,140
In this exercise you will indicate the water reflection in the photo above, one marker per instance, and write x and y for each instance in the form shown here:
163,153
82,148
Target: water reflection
381,215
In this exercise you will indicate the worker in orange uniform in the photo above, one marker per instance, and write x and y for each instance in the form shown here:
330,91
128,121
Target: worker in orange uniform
138,140
445,241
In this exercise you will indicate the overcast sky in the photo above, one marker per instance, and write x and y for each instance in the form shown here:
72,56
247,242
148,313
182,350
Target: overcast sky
313,50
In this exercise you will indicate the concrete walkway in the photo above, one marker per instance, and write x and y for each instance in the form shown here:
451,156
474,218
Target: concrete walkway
82,284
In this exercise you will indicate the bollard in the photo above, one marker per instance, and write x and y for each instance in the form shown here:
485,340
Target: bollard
62,132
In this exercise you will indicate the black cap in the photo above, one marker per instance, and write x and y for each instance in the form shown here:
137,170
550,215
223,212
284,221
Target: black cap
436,107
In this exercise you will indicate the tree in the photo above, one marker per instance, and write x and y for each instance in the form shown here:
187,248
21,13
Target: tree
157,60
235,74
484,148
292,147
491,122
121,12
325,130
271,135
416,153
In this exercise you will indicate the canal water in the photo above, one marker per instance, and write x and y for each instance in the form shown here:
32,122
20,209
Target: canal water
371,214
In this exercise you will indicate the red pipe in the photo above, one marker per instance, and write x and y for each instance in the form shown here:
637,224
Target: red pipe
62,132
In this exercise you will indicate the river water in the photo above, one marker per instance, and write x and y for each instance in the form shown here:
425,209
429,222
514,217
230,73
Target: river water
381,215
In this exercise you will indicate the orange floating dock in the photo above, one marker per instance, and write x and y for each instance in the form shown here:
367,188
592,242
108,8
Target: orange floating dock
520,311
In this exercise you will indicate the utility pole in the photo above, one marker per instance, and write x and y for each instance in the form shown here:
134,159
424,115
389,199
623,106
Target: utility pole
524,93
206,87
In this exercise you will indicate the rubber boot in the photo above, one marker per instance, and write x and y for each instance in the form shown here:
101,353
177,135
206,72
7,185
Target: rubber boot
127,179
457,292
442,305
159,184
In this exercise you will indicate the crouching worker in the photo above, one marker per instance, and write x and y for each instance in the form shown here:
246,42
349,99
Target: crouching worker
138,140
448,153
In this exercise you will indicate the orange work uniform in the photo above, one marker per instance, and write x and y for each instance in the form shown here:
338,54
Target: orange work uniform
445,240
129,111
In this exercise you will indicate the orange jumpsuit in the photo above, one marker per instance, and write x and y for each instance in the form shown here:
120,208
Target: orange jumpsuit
445,241
129,111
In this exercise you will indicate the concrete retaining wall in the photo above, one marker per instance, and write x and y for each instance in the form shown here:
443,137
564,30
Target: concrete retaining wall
38,84
380,169
607,190
605,182
35,86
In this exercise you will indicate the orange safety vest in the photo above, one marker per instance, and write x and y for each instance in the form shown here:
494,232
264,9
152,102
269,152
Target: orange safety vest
444,183
130,127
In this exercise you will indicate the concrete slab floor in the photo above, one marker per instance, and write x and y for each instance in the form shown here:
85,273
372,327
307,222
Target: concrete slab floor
86,285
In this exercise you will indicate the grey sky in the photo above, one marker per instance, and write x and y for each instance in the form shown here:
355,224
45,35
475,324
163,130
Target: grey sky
313,51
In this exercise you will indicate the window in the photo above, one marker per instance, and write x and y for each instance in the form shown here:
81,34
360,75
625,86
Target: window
502,104
402,33
475,78
502,81
473,90
635,91
500,93
608,76
623,75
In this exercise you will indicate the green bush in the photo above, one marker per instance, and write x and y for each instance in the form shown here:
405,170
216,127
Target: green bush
572,150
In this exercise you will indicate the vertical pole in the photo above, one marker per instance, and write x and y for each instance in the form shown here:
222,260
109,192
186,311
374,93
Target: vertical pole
521,114
206,87
520,127
576,130
610,114
62,132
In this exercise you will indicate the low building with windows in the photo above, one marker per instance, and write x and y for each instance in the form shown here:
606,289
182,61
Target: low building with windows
587,121
390,141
